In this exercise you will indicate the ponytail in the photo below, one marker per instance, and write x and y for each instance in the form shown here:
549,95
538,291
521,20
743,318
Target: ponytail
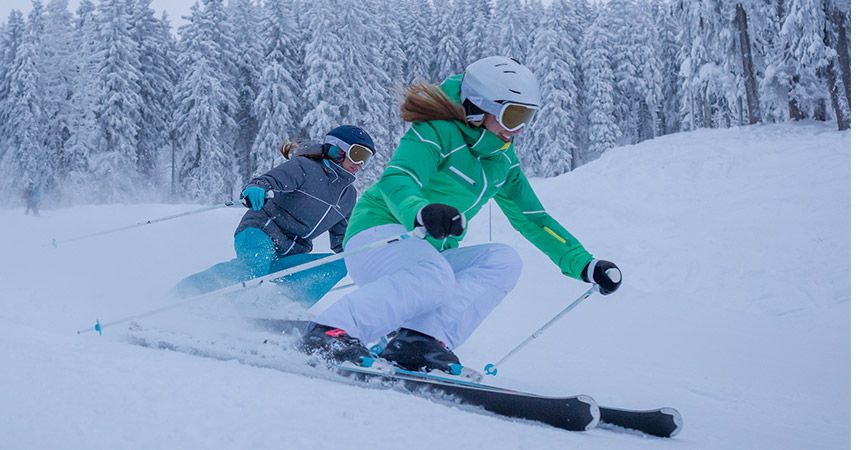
286,148
424,101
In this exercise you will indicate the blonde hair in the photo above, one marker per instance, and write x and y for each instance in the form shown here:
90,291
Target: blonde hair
424,101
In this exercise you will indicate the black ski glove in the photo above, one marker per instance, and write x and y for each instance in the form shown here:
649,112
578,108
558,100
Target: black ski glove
441,221
605,274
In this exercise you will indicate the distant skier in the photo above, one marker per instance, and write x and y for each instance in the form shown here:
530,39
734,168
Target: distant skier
32,197
309,194
457,154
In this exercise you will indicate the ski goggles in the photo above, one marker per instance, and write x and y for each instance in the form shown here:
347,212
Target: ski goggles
356,153
514,116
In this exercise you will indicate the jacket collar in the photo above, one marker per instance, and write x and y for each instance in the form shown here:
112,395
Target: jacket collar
482,143
337,172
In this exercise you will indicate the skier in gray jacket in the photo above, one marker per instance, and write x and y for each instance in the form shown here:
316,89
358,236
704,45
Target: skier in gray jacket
292,204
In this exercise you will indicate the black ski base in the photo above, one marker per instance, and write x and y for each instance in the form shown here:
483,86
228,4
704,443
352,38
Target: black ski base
575,413
663,422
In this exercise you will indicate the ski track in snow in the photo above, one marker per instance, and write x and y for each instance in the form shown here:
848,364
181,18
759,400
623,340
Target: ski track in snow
735,310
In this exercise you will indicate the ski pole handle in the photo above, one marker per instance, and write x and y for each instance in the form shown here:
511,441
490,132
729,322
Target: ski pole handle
492,369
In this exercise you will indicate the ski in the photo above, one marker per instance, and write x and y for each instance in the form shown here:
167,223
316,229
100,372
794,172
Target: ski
574,413
662,422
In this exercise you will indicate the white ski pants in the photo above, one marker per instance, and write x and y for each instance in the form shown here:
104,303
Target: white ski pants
412,285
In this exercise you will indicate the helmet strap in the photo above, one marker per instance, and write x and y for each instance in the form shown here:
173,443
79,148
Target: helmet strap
331,152
475,115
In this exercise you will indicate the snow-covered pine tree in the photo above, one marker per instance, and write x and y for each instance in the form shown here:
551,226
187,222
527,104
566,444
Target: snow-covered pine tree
510,30
158,74
76,177
57,69
22,111
326,91
693,54
301,36
650,70
450,55
667,112
14,32
203,123
276,103
417,42
805,54
370,88
475,20
775,83
220,31
533,11
710,64
247,20
117,105
552,141
624,47
390,127
603,132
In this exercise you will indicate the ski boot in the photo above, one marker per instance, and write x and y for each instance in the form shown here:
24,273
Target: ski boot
334,345
412,350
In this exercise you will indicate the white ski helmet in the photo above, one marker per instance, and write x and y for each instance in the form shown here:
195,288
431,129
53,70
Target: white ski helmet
492,83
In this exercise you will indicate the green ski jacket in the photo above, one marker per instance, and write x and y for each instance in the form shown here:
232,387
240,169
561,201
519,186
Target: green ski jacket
447,161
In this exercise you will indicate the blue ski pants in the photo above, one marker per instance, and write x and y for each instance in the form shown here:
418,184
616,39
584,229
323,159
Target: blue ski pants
256,256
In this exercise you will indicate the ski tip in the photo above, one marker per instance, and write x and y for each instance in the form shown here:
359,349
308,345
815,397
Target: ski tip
490,369
594,410
676,418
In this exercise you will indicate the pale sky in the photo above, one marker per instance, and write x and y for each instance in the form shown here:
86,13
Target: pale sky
174,8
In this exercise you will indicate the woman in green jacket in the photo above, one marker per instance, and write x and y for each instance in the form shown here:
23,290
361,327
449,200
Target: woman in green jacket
457,155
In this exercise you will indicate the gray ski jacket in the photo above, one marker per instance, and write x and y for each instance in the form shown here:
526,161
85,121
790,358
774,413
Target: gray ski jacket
310,198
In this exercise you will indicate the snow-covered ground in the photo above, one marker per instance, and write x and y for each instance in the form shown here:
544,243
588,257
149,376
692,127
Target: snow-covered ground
735,309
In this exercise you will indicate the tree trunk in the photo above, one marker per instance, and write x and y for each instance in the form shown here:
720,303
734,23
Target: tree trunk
749,80
820,111
793,108
827,73
706,114
842,47
645,130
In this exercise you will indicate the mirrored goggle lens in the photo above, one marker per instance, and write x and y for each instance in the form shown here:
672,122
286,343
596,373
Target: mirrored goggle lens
514,116
359,154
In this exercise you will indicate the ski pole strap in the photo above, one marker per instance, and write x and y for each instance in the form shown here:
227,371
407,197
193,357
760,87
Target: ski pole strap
56,243
491,369
418,233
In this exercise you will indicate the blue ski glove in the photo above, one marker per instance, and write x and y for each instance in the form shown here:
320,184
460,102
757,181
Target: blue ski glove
254,197
605,274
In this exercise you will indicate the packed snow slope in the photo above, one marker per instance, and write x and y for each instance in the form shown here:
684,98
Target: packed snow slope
735,309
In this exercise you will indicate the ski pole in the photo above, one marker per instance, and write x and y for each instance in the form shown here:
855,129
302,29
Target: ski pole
56,243
491,369
418,233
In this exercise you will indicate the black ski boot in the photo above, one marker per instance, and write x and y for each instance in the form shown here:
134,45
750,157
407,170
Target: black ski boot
334,345
412,350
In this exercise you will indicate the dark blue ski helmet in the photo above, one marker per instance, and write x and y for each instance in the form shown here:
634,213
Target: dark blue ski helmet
350,135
